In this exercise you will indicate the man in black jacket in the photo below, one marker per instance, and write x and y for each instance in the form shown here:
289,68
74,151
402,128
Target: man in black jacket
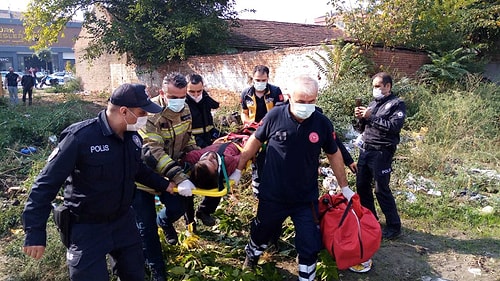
201,105
11,80
98,161
380,124
28,82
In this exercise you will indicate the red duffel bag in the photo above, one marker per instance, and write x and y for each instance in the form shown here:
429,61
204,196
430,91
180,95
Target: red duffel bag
350,232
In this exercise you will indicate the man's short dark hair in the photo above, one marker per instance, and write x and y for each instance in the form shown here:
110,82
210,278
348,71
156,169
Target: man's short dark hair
261,69
202,177
176,79
195,78
386,78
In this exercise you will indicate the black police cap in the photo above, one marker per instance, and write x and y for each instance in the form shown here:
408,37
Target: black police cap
134,95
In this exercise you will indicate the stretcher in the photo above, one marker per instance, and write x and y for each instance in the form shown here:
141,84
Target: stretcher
215,192
223,189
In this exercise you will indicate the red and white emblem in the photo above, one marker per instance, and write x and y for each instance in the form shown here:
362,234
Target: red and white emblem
313,137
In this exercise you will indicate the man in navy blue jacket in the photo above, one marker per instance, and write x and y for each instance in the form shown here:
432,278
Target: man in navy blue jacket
380,124
98,161
296,134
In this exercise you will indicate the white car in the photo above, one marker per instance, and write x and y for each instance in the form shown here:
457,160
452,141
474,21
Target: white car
62,77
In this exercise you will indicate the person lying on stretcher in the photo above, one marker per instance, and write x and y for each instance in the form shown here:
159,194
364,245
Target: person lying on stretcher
206,163
209,169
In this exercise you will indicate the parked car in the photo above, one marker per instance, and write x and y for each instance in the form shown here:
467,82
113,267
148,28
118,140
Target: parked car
62,77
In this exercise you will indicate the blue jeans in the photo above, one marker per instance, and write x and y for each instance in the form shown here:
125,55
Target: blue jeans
148,221
13,95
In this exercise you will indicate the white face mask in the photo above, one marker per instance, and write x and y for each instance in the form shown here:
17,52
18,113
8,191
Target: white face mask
197,99
139,124
377,93
260,86
176,105
303,110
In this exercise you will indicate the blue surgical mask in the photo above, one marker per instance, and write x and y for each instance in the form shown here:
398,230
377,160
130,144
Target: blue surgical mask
303,110
176,105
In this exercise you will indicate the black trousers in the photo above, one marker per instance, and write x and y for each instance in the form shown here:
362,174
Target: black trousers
376,166
28,91
207,206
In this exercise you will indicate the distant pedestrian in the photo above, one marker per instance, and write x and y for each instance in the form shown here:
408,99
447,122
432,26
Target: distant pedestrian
1,88
11,80
28,81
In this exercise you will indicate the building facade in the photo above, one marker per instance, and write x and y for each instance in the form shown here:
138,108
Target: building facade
15,50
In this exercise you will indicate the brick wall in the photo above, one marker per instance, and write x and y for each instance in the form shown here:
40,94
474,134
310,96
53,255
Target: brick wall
231,72
398,62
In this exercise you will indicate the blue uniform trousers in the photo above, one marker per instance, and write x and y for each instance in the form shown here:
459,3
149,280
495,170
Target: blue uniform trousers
271,215
376,165
90,243
148,221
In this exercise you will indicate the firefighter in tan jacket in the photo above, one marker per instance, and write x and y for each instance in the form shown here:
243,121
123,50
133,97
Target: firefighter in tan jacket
166,137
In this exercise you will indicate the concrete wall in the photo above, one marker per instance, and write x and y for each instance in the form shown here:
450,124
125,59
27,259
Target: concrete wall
231,72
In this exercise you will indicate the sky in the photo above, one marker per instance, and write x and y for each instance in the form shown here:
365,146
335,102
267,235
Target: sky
274,10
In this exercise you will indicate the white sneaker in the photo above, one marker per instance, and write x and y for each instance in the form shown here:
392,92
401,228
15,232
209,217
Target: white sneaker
362,267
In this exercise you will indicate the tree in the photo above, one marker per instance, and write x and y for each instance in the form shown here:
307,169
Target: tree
481,24
46,56
431,25
150,32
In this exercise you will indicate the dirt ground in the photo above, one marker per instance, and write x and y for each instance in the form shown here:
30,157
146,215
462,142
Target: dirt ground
415,256
418,256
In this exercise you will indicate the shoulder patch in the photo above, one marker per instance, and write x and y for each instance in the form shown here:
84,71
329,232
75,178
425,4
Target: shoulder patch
53,154
137,141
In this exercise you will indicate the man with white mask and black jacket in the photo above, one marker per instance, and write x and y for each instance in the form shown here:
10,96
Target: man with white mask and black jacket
201,104
380,123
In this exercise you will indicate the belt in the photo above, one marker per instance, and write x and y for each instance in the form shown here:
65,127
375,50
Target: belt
368,146
93,219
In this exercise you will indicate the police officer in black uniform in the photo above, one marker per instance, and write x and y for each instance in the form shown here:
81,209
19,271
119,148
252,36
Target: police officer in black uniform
380,124
97,161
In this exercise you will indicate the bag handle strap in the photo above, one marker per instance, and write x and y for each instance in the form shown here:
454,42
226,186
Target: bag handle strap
346,211
328,201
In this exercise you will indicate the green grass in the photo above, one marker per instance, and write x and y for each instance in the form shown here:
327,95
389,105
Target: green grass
448,134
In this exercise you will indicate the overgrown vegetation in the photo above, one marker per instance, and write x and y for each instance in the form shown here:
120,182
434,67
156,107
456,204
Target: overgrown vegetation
149,32
450,140
462,23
